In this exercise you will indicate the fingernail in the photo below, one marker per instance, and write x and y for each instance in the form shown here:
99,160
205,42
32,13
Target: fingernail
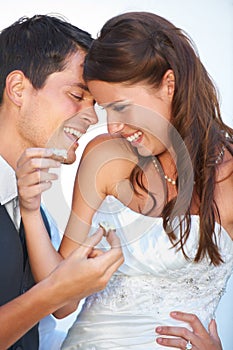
174,313
158,329
159,340
100,229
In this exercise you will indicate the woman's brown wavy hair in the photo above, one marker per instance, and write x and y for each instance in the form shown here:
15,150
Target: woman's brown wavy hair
140,47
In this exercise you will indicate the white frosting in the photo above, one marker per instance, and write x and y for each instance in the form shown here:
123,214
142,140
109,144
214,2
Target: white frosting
60,152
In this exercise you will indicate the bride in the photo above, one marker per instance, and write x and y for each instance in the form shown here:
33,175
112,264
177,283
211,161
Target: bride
163,177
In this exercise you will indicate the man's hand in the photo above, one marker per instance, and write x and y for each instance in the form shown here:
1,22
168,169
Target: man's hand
33,176
199,338
84,273
74,278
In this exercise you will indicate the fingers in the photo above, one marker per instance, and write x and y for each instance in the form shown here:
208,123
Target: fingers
93,240
95,268
33,176
26,194
34,159
33,165
30,153
36,178
192,319
199,337
110,260
213,330
90,242
113,258
115,252
177,343
113,239
94,253
101,264
183,333
31,186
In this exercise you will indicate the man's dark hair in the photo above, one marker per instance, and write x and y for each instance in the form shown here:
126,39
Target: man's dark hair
39,46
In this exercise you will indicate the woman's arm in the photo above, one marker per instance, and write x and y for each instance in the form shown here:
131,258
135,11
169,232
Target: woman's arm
105,163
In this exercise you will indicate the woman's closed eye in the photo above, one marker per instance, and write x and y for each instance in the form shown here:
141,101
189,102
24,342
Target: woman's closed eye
119,108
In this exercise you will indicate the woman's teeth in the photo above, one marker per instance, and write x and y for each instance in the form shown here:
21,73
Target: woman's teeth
74,132
134,137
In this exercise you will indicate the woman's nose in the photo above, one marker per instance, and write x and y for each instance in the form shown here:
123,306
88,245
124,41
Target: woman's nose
115,127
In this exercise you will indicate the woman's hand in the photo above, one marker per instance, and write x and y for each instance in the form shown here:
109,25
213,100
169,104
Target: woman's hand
198,339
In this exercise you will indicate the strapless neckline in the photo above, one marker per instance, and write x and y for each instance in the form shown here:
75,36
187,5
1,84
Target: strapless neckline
111,198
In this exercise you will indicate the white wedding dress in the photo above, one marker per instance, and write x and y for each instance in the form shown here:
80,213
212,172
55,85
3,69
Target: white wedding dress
154,280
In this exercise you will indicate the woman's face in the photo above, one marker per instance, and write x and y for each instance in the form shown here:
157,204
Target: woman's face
136,112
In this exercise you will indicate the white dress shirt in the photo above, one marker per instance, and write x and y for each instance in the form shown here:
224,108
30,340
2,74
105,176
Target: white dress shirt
8,191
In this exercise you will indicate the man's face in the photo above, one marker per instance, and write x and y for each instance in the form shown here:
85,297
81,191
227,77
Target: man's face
60,112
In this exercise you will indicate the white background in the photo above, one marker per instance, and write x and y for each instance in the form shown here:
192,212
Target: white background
210,25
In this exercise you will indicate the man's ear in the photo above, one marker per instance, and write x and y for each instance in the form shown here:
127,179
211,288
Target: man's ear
14,86
169,80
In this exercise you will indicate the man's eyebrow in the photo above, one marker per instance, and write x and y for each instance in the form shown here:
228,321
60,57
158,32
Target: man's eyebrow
82,86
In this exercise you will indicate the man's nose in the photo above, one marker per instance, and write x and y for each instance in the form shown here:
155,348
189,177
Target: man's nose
89,115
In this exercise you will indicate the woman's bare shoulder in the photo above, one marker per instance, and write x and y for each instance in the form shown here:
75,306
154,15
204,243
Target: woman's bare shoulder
111,147
106,162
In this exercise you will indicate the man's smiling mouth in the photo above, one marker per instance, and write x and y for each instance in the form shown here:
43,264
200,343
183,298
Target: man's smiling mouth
77,134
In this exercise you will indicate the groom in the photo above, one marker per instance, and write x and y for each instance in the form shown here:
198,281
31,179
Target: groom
41,88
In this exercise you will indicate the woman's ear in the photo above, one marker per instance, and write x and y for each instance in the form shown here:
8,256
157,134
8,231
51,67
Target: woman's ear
14,86
169,80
